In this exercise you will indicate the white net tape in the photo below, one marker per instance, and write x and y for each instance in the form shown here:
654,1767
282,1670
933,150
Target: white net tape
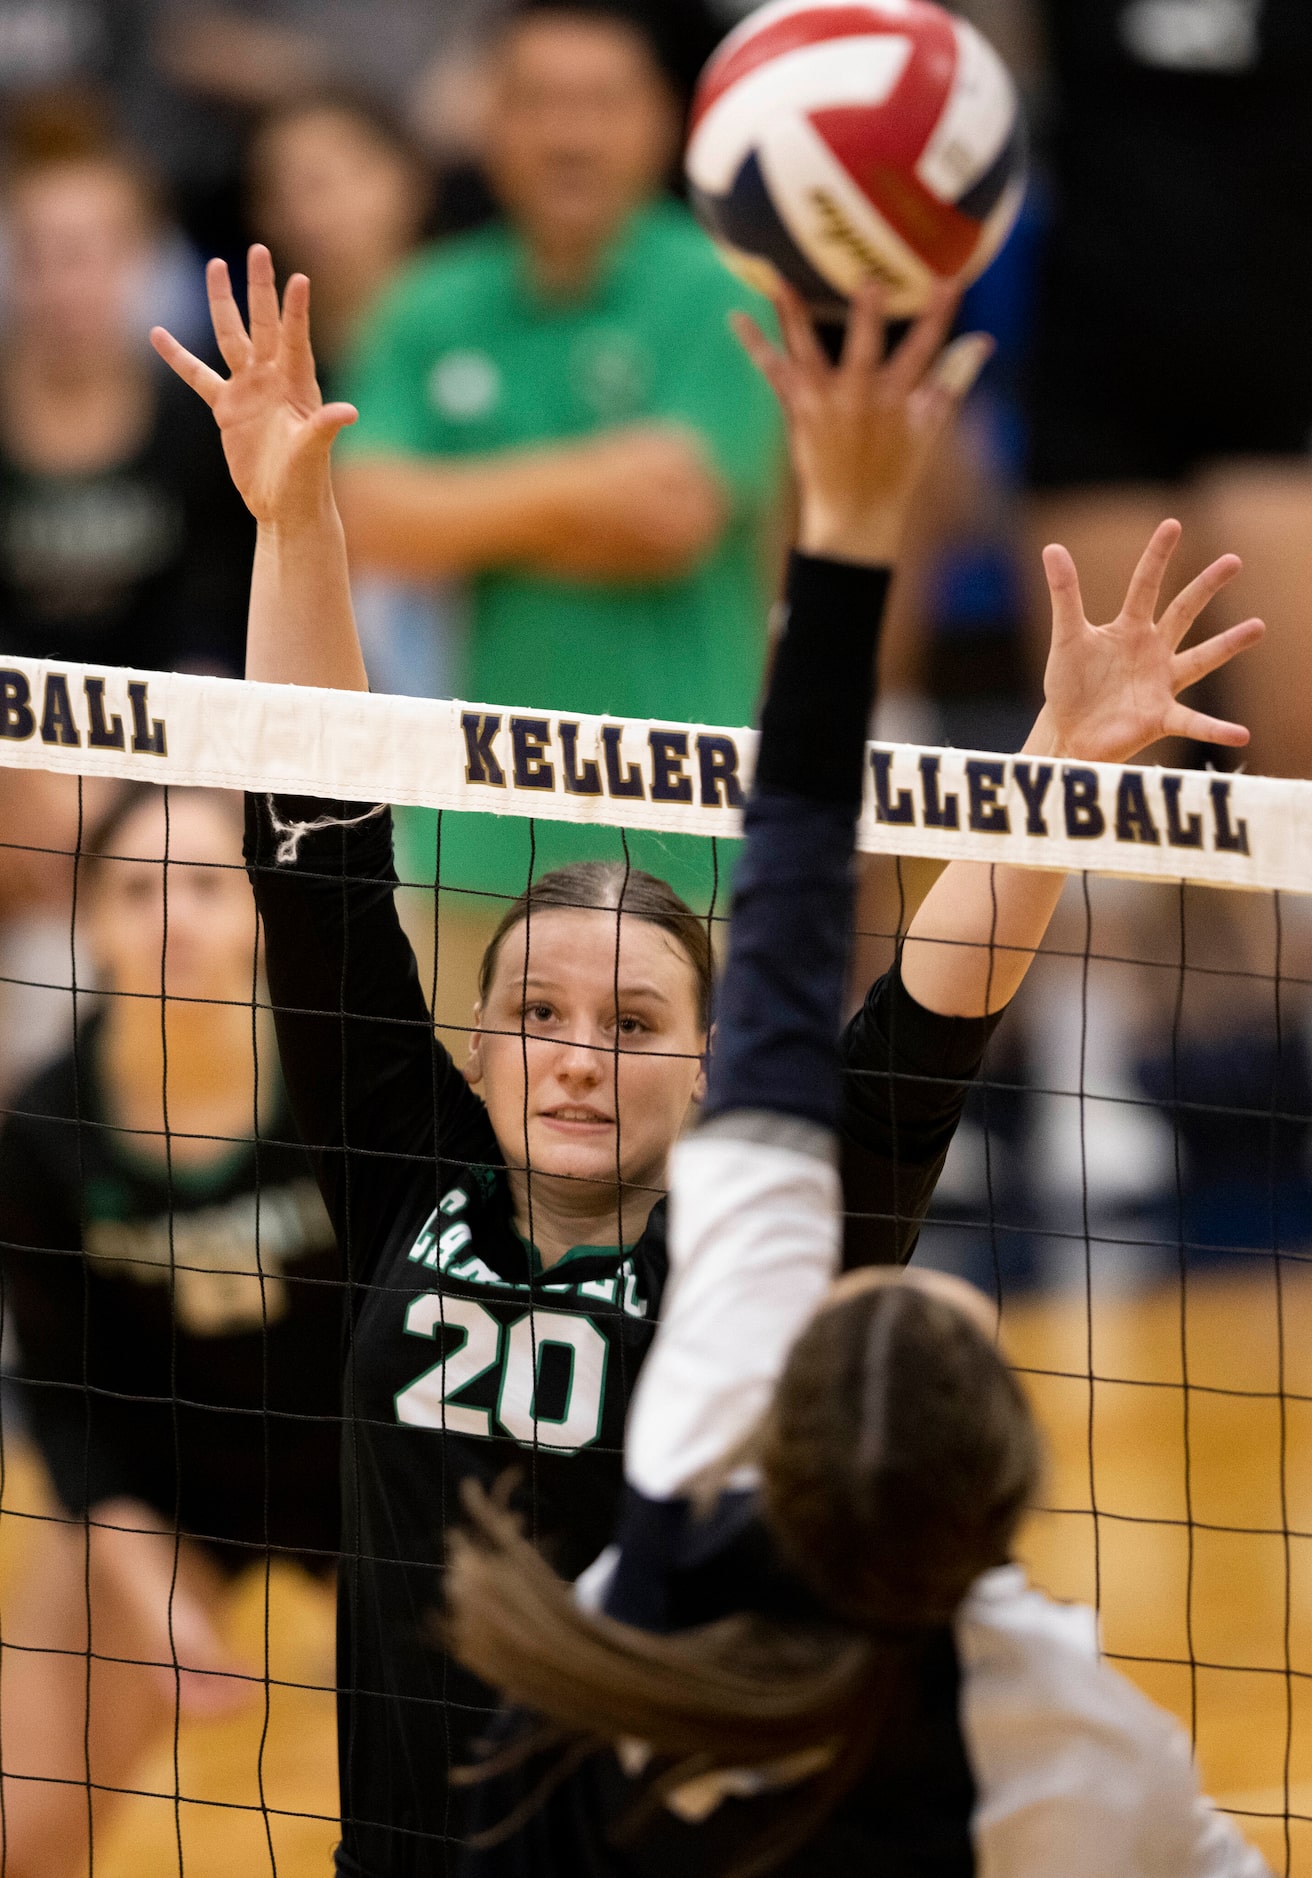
1148,823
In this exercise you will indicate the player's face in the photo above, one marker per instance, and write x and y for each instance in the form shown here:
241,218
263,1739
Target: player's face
334,197
590,1083
78,244
203,894
582,128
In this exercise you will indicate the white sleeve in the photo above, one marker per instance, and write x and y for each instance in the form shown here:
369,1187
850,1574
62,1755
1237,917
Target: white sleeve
755,1238
1077,1772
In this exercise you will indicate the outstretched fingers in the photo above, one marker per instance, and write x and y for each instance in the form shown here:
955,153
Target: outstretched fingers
205,382
262,302
923,343
1146,582
296,353
800,340
766,357
863,348
229,331
1197,596
332,418
1199,661
1180,721
951,381
1068,619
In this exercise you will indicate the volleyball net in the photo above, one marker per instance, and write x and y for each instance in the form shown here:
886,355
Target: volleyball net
1132,1182
938,805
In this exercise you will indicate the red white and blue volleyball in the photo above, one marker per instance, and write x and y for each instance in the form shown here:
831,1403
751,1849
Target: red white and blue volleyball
836,141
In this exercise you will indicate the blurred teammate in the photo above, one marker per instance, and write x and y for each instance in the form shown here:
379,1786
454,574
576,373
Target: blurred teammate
808,1651
171,1284
341,192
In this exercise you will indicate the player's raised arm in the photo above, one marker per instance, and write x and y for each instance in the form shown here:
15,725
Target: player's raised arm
277,436
1110,692
862,434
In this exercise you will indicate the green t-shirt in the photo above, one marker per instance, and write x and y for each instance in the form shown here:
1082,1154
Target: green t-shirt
464,358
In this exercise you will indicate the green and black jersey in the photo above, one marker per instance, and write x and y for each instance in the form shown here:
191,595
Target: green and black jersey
173,1333
463,1356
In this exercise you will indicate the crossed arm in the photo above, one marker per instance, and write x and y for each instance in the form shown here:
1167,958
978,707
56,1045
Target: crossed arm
637,504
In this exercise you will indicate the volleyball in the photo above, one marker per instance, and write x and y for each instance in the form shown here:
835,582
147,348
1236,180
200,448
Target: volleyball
836,141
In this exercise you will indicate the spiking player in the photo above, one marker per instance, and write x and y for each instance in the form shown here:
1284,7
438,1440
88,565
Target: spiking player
504,1229
812,1654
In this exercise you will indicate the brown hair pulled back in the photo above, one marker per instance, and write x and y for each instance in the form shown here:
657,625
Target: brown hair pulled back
610,887
898,1457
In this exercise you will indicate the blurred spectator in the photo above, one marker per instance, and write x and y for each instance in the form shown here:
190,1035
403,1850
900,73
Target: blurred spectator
555,408
101,55
49,43
422,57
1173,372
341,191
255,54
120,540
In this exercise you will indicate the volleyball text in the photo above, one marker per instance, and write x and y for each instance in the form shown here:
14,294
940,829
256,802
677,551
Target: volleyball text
1002,795
55,721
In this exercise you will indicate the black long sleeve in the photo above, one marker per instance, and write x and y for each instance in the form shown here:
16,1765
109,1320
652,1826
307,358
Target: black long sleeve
816,715
906,1075
371,1089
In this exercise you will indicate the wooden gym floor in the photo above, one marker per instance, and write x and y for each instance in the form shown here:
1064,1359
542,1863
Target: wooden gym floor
1232,1590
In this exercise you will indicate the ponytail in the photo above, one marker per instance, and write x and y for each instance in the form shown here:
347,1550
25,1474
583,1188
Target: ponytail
809,1704
897,1459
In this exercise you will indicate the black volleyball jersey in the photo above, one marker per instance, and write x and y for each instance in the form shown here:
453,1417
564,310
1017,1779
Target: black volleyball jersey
145,561
463,1357
176,1337
1183,166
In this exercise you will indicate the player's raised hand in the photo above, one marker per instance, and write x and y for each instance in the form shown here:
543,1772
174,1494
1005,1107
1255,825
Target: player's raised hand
277,430
862,432
1112,690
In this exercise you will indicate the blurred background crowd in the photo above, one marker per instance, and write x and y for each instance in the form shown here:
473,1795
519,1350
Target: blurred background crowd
567,489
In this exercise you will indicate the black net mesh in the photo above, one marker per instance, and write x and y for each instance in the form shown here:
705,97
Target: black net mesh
192,1362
